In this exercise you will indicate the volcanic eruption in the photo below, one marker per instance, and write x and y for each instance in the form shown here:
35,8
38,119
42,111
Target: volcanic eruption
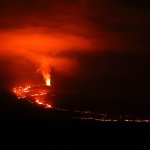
65,35
35,93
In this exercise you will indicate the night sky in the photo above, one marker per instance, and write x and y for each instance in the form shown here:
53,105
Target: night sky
98,49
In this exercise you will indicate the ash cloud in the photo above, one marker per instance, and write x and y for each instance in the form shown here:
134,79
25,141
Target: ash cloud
50,32
44,37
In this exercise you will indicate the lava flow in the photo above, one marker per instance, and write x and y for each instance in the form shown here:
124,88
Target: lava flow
35,94
38,95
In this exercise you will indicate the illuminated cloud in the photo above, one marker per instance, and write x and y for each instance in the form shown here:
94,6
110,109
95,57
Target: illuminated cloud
49,33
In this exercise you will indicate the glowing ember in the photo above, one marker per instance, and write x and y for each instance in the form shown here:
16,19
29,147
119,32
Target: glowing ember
34,94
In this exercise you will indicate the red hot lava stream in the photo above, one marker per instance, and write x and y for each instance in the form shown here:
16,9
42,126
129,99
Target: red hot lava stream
35,94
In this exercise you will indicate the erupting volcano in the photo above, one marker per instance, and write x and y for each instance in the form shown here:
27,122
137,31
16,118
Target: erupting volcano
35,93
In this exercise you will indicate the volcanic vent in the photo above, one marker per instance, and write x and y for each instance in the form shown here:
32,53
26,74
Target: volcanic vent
36,94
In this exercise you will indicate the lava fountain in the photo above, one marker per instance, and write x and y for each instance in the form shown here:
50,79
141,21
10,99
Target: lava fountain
35,93
48,82
45,71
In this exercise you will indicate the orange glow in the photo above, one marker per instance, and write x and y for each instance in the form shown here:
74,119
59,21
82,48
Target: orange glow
43,47
46,75
34,94
45,71
48,82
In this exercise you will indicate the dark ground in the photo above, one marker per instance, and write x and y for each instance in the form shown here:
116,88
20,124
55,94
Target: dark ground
23,118
27,124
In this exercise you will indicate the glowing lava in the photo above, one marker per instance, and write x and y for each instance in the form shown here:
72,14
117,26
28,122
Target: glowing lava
37,95
33,94
48,82
45,71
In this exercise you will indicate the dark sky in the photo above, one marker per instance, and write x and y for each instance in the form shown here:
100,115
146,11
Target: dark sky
106,41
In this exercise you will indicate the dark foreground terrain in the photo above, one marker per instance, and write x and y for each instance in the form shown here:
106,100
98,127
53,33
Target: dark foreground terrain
23,119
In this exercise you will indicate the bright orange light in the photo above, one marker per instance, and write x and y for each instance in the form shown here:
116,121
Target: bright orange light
45,71
32,94
48,82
